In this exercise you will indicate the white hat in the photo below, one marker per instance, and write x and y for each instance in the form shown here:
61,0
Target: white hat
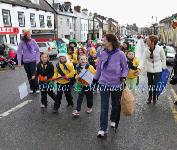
63,55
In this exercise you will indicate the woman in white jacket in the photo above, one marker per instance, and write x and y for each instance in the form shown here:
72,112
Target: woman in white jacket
154,61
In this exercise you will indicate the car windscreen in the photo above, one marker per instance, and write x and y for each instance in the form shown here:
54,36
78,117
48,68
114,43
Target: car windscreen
170,50
41,44
11,46
52,44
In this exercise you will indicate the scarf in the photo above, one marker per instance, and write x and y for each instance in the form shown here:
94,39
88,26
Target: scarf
130,64
79,67
64,65
109,53
43,67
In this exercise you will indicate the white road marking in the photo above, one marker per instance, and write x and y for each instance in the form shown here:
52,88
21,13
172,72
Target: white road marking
5,114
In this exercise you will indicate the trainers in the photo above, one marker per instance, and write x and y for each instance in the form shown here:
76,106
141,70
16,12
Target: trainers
149,101
38,91
31,92
75,113
89,110
113,124
101,133
42,106
55,111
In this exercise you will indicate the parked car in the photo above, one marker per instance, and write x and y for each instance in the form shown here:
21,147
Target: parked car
170,54
13,48
132,40
48,47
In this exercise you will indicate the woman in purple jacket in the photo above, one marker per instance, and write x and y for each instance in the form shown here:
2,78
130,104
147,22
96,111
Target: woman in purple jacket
31,56
112,70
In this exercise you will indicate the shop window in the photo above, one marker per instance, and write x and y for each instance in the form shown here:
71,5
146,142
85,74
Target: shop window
3,39
13,39
6,18
21,19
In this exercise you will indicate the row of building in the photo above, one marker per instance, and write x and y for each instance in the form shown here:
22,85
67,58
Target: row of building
165,29
168,30
52,19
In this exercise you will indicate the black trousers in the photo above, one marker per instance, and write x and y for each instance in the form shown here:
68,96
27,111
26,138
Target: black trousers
44,94
63,88
89,96
30,69
153,79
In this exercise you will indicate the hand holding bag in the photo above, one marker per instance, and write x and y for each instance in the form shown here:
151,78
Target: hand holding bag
127,102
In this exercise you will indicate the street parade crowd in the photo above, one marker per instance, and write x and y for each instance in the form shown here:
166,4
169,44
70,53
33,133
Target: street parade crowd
99,67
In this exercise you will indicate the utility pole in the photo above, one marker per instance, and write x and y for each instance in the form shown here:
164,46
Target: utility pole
93,27
102,27
94,16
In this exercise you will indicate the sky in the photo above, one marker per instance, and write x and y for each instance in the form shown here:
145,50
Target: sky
131,11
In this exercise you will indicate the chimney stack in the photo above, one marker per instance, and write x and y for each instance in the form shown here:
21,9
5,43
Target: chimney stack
85,11
67,3
77,8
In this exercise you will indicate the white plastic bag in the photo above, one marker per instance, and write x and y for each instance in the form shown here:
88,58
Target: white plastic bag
23,90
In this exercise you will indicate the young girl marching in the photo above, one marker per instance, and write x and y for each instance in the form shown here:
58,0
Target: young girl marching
134,72
80,52
85,87
92,59
71,56
45,72
64,71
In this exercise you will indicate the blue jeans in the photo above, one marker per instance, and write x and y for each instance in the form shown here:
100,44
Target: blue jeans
116,107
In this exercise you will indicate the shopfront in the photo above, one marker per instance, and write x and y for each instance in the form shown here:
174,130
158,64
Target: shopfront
9,35
43,34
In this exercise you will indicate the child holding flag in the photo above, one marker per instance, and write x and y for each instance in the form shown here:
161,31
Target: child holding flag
85,87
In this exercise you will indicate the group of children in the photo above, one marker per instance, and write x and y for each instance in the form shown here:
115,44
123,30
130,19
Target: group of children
67,71
65,74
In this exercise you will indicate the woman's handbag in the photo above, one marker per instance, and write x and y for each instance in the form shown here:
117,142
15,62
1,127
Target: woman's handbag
127,102
163,81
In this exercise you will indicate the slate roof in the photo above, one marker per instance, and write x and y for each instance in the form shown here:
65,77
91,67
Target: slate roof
43,4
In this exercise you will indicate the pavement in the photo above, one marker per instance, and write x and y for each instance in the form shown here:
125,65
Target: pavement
25,126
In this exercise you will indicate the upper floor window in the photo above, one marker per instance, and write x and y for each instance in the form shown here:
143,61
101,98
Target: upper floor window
21,19
6,18
32,20
41,20
35,1
49,21
67,22
70,25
